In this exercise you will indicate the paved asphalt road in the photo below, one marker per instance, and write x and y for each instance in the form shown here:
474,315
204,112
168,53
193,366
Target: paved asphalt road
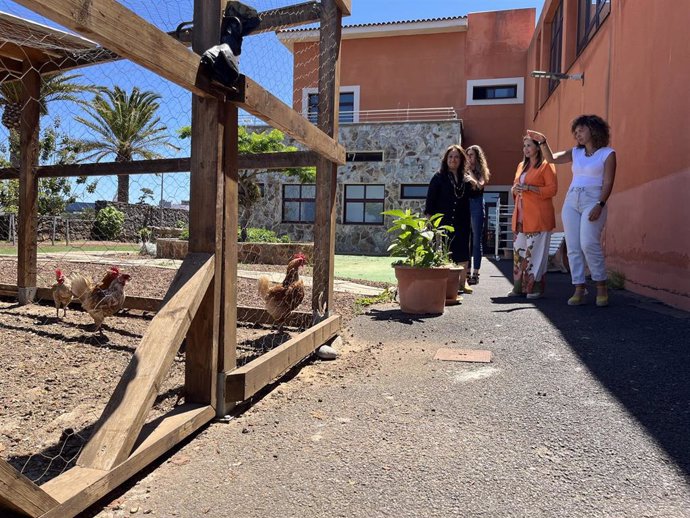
583,412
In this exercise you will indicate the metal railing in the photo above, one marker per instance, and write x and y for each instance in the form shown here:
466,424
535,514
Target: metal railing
503,236
446,113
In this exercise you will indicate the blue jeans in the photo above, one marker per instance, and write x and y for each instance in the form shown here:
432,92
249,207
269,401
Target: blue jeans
477,218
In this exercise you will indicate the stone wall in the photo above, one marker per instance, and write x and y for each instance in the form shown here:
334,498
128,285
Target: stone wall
412,153
140,215
247,253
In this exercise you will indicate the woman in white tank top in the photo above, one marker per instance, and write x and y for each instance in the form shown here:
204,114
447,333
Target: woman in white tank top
584,210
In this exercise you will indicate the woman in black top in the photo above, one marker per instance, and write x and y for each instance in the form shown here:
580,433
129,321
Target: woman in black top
449,194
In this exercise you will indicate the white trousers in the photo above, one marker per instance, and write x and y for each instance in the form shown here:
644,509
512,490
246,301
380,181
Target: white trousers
582,236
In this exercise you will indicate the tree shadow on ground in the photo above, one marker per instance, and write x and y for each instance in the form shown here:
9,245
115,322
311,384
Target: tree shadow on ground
641,356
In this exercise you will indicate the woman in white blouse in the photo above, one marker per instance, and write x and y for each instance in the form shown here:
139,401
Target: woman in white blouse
584,210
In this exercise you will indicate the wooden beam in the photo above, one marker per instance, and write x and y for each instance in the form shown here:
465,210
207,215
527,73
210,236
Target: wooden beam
79,487
266,161
137,303
201,365
18,494
345,7
125,413
264,105
131,36
28,185
299,319
290,16
246,381
228,353
326,171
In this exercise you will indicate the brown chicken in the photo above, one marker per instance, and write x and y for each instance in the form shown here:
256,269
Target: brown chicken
284,298
110,275
62,294
97,302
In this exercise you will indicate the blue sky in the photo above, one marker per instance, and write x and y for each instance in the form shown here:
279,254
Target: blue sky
263,58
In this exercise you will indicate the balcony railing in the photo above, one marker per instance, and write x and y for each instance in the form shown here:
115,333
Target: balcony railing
376,116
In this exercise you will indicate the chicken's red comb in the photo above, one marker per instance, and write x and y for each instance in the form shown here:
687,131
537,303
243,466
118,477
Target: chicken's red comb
58,273
114,269
299,255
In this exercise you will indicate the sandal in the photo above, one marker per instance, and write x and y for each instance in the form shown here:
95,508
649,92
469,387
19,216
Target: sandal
473,279
578,298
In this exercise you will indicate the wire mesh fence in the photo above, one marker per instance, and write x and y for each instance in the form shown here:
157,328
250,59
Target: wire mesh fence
94,107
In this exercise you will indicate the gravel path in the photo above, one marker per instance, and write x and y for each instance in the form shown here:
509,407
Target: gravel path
583,412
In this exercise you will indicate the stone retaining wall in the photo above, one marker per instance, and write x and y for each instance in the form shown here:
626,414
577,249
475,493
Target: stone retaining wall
248,253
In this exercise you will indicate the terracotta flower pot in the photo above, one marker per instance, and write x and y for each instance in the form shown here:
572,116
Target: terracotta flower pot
422,290
453,284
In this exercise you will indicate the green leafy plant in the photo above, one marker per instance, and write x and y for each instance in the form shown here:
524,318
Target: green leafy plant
263,235
145,234
420,241
109,223
616,280
184,235
363,302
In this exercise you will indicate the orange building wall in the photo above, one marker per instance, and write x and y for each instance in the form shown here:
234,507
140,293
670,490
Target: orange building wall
495,47
431,70
639,84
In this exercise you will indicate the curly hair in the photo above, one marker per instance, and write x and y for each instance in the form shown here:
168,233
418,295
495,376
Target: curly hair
598,127
482,167
463,159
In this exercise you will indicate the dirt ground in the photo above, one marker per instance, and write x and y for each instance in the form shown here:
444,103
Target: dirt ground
58,374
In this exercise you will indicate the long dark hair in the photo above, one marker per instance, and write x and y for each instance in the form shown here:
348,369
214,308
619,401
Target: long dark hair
463,160
540,156
598,127
482,167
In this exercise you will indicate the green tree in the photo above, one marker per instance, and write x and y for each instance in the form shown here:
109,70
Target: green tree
55,87
54,194
126,126
258,142
146,194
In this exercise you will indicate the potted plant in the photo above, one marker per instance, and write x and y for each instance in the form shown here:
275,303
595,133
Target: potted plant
422,273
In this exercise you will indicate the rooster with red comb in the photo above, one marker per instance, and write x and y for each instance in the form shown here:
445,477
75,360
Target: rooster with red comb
62,294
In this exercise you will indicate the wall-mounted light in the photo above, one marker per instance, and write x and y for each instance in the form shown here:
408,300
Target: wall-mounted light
540,74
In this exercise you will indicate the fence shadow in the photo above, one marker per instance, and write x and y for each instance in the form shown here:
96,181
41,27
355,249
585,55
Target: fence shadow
640,355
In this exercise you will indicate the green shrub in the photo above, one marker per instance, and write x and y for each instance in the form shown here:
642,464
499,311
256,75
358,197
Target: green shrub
185,234
109,223
616,280
145,234
262,235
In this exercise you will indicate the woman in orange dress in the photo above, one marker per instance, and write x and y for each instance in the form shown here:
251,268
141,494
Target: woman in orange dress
534,218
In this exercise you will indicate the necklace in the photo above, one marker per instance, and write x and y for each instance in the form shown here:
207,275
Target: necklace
588,154
458,190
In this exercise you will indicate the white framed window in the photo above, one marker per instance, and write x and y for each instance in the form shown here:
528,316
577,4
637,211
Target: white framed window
363,204
348,108
503,90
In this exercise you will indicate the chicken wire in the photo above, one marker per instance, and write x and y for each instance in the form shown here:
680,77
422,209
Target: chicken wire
52,363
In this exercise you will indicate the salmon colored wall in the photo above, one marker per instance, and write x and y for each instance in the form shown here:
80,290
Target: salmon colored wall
639,84
431,70
495,47
420,71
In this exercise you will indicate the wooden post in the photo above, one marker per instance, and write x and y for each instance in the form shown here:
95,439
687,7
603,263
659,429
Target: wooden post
202,339
28,185
326,171
227,358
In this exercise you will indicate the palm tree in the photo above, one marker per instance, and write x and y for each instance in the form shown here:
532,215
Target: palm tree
55,87
125,126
